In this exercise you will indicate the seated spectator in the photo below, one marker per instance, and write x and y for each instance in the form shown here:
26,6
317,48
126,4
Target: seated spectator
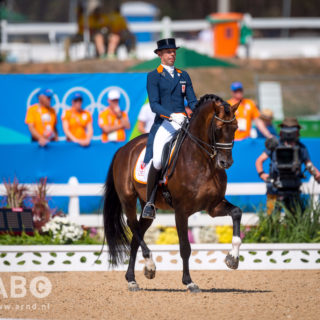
246,113
266,116
98,28
41,119
119,34
112,120
145,118
77,123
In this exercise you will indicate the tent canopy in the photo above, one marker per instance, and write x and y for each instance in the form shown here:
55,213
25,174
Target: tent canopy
186,58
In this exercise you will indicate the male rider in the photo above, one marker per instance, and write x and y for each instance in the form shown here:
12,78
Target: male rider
167,87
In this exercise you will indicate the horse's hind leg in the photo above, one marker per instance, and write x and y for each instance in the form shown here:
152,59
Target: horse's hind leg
185,250
138,230
226,208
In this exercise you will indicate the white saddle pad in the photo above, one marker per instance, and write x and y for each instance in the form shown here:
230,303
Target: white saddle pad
141,171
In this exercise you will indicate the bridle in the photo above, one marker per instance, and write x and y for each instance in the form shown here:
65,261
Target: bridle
215,146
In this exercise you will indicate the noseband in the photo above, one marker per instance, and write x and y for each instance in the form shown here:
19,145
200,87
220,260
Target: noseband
215,145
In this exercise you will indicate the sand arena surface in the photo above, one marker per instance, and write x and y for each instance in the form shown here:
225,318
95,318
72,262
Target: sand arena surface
226,295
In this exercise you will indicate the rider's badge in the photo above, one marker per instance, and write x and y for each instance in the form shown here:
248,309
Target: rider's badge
183,88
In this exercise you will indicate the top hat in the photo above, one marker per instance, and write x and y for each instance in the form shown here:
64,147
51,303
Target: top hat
290,122
169,43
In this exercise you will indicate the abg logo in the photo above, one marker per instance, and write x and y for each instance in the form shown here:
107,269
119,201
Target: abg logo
93,104
40,287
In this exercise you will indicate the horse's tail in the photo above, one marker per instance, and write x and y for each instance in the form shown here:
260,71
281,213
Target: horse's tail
114,225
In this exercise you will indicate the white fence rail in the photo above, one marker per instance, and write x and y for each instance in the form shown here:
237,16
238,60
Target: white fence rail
73,189
54,50
167,257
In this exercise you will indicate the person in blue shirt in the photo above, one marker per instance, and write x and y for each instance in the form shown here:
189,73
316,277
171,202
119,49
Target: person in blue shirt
167,87
266,116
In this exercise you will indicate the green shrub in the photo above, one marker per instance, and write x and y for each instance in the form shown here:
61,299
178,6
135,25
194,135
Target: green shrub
290,227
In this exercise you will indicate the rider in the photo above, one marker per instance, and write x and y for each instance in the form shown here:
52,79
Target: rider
167,87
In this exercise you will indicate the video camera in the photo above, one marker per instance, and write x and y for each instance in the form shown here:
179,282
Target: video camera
285,173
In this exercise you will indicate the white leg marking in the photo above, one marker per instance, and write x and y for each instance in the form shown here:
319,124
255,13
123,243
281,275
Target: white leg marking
236,242
149,263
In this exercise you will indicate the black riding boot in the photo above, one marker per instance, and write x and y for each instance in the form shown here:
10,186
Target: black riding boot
149,211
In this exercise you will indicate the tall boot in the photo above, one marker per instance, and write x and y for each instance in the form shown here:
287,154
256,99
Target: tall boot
149,211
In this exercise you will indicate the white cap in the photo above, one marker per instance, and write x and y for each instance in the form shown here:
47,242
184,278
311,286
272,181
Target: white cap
114,94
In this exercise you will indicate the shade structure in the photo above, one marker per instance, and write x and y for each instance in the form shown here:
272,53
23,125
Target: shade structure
186,58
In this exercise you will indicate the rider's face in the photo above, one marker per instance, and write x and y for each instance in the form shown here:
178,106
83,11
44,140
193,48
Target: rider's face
237,94
167,56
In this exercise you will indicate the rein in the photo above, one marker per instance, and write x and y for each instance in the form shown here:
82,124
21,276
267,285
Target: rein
215,145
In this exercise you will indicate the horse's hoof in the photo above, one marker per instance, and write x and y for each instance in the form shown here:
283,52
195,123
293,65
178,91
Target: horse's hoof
231,261
193,288
149,273
133,286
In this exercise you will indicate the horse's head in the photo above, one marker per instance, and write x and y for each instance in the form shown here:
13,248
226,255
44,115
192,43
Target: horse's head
215,124
221,132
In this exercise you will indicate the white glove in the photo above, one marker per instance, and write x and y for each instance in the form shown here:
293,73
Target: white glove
177,118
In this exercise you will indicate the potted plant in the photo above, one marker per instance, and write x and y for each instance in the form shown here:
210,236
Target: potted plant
15,218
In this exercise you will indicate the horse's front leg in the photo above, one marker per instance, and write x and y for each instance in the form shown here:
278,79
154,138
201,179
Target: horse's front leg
185,250
226,208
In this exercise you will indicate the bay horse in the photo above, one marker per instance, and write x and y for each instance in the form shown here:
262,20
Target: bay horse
198,183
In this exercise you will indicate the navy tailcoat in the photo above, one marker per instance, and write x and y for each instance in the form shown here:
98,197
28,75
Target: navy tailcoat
166,96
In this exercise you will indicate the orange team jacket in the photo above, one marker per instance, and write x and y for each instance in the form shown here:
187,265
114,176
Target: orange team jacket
246,112
107,117
44,120
77,122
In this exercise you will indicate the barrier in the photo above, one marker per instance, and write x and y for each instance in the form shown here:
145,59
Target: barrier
167,257
73,189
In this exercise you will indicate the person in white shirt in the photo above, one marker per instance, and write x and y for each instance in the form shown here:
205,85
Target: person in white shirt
145,118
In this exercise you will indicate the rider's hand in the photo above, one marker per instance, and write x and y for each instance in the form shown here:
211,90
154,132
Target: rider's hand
178,118
264,177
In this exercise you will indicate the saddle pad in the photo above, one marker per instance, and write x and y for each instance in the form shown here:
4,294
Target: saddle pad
140,172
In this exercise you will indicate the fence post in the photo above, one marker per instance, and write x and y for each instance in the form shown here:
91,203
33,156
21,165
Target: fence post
4,35
166,27
74,203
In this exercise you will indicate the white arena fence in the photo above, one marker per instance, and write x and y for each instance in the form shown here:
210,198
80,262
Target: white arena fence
167,257
73,189
259,48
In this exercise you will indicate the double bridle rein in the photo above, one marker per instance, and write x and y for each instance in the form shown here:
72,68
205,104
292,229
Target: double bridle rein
215,145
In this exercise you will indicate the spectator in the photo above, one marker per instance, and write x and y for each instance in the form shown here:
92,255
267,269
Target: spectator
266,116
41,119
112,120
77,123
145,118
119,34
98,28
246,113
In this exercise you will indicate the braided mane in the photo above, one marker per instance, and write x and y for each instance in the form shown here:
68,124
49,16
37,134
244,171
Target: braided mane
211,97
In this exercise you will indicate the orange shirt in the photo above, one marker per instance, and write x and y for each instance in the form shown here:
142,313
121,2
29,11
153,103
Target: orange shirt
44,120
77,122
108,118
246,112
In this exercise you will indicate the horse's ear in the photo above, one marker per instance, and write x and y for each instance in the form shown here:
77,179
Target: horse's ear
235,106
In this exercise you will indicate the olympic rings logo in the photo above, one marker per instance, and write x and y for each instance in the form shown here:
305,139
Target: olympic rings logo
91,106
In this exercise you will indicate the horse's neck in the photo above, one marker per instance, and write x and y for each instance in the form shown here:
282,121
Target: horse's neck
199,126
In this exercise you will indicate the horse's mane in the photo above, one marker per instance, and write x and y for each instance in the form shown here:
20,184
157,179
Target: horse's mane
210,97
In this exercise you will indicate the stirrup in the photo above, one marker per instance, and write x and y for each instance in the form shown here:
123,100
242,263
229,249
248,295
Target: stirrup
149,211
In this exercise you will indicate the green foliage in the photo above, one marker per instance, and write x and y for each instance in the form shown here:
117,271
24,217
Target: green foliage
298,227
40,239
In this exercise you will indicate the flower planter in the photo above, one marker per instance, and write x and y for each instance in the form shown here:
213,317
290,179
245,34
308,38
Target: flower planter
16,220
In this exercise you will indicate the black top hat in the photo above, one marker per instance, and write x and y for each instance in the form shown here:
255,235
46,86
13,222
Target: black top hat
169,43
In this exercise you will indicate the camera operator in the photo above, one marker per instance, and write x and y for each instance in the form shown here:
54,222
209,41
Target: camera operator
286,157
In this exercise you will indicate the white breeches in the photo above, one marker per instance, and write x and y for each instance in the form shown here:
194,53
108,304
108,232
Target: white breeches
163,135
